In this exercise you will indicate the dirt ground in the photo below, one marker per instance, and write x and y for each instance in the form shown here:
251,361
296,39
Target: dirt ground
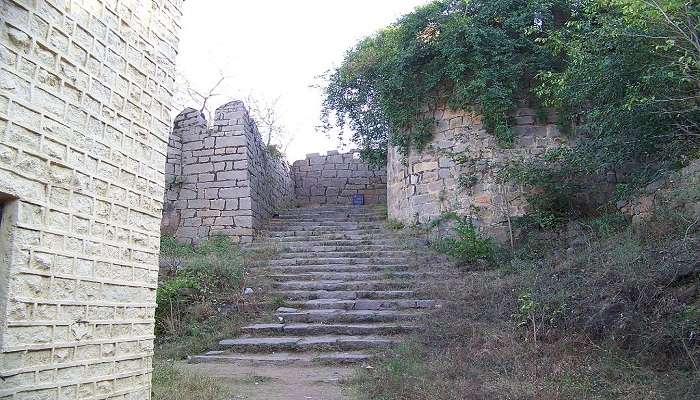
278,382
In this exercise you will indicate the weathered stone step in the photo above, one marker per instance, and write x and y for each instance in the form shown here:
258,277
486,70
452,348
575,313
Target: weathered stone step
346,295
304,329
348,276
334,233
339,243
331,249
291,224
363,238
308,343
383,304
353,219
352,316
343,285
329,209
331,260
348,253
295,269
280,359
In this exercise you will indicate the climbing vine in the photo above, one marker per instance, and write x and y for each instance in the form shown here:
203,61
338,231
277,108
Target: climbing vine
463,54
624,73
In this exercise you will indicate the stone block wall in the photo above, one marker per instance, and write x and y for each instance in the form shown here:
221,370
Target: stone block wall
677,191
221,179
457,172
85,91
335,178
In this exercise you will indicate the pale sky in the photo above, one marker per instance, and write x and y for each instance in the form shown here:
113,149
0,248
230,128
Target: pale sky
277,48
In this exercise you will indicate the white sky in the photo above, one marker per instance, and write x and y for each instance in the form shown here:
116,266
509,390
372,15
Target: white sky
277,48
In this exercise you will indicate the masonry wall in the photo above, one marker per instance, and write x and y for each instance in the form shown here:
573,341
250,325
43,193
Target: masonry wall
335,178
660,193
221,179
85,91
457,172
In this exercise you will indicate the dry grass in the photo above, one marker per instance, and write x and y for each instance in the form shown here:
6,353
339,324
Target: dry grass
616,317
170,383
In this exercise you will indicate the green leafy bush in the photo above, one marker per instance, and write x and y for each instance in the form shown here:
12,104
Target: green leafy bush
395,225
465,244
624,73
467,54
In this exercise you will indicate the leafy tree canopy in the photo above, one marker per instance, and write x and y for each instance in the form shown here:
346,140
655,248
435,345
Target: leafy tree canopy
625,73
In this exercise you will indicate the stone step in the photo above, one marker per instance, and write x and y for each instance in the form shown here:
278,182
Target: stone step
355,247
358,234
331,260
280,359
295,269
308,343
338,243
381,304
348,253
343,285
361,238
347,276
346,295
304,329
317,210
327,219
293,224
352,316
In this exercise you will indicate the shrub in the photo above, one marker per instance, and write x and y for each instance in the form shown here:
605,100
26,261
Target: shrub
209,273
465,244
624,73
395,225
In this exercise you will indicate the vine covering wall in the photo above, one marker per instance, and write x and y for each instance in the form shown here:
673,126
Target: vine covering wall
458,171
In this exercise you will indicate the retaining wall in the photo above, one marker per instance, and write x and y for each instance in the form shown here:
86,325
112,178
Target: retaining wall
457,172
335,178
221,179
85,92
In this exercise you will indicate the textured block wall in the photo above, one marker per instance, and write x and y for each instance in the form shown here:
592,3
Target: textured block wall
221,179
335,178
85,91
457,172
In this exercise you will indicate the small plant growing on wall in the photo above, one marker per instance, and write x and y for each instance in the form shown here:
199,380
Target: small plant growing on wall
395,225
466,181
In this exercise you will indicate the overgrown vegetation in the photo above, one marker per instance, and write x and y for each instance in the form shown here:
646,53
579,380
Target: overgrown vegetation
463,244
600,309
170,383
395,225
196,280
200,301
621,74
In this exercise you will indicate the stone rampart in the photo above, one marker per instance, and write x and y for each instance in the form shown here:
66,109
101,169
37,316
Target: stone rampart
335,178
458,171
85,93
221,179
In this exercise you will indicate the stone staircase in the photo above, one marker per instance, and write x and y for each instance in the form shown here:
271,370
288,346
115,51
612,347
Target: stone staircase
349,287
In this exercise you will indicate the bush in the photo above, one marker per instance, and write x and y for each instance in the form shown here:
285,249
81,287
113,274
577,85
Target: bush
622,73
209,273
617,318
465,244
395,225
